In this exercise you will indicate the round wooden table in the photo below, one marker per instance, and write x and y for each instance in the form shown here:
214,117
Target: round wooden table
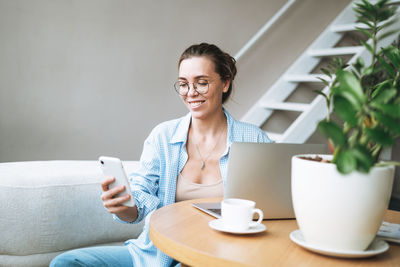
182,232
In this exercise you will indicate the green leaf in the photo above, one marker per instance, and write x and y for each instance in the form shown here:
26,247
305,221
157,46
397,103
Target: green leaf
326,72
364,21
381,87
360,61
378,68
389,123
393,54
388,68
359,64
336,91
337,64
368,47
321,93
368,71
346,162
345,110
350,88
367,6
366,32
381,3
384,96
332,131
359,6
360,9
323,81
392,110
385,14
363,157
379,136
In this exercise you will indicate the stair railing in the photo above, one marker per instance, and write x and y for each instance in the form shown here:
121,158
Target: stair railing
264,29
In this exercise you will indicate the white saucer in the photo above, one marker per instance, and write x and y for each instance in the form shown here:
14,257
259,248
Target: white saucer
377,247
219,226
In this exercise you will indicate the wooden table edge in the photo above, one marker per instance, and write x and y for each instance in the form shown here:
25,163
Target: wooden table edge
189,256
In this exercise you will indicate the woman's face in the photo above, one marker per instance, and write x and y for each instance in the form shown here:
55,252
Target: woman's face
202,69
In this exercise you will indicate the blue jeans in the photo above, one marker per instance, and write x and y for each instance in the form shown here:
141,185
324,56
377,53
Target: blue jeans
95,257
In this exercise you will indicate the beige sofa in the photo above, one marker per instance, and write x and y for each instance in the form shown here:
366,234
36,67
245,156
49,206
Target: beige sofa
48,207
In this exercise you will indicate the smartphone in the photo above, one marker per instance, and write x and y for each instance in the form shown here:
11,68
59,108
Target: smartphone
113,167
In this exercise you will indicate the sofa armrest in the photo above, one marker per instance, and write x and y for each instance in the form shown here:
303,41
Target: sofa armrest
50,206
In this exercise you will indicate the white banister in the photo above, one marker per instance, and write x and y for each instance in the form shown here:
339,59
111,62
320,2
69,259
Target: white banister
303,71
264,29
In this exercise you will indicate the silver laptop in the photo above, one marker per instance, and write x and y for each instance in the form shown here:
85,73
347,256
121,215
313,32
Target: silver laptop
262,173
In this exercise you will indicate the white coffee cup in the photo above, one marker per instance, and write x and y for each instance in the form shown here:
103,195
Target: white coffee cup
237,214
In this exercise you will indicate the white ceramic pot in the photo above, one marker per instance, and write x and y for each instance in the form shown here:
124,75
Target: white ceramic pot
336,211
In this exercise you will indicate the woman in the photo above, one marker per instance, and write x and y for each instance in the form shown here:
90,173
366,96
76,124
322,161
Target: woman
182,159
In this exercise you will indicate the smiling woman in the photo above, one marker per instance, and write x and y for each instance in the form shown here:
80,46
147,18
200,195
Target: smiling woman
204,84
182,159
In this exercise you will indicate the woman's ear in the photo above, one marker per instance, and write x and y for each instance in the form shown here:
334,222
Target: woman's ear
226,84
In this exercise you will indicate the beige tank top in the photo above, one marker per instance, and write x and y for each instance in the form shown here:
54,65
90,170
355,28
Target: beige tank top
186,189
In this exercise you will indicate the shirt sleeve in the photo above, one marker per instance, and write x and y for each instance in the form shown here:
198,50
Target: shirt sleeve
263,138
145,181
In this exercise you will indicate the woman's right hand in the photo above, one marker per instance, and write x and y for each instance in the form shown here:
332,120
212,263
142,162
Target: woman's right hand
113,204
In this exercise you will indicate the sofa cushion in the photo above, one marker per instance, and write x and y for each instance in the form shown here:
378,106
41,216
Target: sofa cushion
50,206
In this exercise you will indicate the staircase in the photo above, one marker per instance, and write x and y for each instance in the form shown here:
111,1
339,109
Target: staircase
301,71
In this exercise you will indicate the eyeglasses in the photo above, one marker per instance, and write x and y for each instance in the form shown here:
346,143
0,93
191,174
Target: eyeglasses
183,88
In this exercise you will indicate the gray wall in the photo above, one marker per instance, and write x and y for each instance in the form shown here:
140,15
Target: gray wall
79,79
83,78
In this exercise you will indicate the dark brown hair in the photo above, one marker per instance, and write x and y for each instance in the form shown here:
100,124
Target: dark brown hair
225,65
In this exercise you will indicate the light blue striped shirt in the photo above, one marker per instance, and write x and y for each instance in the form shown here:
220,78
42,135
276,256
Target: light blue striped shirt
154,183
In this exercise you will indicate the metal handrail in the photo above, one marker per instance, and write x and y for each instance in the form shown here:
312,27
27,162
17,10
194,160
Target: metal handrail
264,29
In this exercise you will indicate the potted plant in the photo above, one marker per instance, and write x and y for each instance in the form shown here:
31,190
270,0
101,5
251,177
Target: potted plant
340,200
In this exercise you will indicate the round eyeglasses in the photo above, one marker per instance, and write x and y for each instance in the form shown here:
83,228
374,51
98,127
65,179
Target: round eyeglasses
183,88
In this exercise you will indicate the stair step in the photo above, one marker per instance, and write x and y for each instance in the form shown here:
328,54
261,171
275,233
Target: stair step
301,71
337,51
347,27
298,78
300,107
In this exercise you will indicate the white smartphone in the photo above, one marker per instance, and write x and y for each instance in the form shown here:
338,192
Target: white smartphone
113,167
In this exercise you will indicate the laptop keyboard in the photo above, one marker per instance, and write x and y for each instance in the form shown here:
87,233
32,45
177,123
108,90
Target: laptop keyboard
217,211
